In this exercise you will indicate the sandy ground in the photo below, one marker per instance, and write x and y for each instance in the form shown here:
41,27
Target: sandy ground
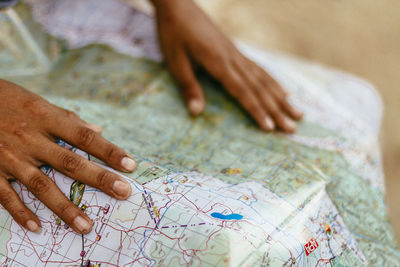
359,36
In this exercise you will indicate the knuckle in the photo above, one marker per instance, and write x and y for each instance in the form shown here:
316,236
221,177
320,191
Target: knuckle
85,136
103,178
71,163
37,107
65,208
31,103
112,152
21,134
8,158
6,198
20,214
70,114
39,184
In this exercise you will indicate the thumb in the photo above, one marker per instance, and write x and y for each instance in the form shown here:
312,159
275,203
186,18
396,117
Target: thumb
181,68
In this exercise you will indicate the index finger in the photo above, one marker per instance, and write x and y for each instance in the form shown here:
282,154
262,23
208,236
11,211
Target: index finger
93,143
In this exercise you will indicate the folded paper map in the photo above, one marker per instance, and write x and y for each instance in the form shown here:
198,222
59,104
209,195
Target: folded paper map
209,191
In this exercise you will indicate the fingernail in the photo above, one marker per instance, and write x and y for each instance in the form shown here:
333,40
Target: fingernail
269,123
33,227
95,127
196,106
122,188
298,112
128,164
291,125
82,224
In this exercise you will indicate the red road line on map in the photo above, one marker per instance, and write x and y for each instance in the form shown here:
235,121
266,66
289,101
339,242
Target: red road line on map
120,247
131,262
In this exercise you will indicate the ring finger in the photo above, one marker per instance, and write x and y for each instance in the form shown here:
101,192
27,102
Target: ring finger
10,200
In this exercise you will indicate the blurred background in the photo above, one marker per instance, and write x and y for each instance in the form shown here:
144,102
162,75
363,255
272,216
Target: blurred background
358,36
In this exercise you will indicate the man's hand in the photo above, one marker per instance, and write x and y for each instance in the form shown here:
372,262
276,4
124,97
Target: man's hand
29,128
186,34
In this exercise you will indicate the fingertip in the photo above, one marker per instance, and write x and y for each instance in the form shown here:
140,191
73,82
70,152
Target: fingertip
289,126
196,106
122,189
269,124
300,116
128,164
34,227
297,114
292,111
83,225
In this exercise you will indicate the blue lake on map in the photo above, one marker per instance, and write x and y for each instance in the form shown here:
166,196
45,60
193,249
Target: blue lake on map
233,216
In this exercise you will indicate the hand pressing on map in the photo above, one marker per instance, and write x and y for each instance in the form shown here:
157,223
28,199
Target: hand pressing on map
29,128
187,35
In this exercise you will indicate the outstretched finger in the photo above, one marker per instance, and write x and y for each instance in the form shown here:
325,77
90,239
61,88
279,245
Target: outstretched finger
51,196
81,169
246,97
280,117
93,143
181,68
10,200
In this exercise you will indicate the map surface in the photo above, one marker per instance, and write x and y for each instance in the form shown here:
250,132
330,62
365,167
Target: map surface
212,190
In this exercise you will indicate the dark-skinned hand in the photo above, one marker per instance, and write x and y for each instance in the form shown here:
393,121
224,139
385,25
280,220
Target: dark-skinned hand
187,35
29,128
